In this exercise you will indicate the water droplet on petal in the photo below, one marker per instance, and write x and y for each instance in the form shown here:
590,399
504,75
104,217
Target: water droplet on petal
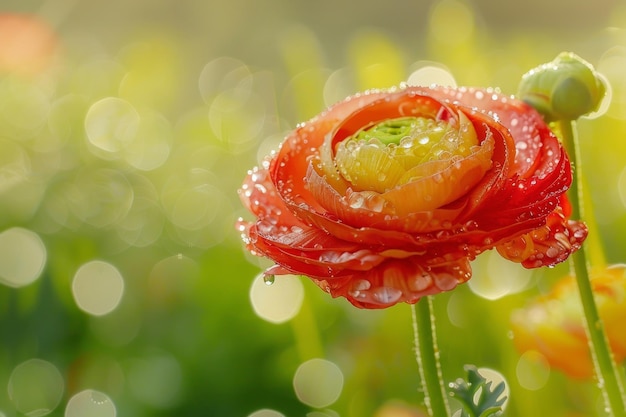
445,282
420,282
438,178
268,279
552,252
387,295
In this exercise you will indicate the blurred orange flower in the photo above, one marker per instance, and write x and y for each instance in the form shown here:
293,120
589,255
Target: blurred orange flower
398,409
553,324
28,45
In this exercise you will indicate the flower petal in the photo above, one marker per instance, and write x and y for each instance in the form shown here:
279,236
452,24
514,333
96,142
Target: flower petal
440,182
521,120
547,245
396,281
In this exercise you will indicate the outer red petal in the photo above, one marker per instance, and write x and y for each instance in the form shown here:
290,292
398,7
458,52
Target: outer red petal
395,281
547,245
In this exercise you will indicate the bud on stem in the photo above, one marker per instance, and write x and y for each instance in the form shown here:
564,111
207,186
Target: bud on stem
563,89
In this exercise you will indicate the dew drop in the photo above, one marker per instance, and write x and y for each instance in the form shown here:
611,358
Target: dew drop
420,282
438,178
552,252
361,285
356,201
387,295
445,282
268,279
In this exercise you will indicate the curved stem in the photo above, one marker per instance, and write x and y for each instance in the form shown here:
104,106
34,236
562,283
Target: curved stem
609,375
427,355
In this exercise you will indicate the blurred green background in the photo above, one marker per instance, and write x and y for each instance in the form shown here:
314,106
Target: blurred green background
125,289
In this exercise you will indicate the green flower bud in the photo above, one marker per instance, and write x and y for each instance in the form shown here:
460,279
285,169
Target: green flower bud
563,89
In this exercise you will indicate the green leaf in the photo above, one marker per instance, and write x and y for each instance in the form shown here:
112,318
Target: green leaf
476,395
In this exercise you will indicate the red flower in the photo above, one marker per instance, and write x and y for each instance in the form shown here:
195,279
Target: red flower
388,195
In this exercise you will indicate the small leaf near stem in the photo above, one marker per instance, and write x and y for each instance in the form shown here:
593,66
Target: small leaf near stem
476,396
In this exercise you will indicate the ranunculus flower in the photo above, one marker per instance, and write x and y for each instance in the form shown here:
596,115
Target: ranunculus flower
553,324
387,196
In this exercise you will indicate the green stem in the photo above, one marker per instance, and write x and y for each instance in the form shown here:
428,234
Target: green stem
427,355
609,375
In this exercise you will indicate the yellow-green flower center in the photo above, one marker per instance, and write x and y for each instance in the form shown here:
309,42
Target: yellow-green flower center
386,155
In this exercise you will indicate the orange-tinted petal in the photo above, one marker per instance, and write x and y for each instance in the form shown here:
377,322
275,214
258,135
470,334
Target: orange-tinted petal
440,182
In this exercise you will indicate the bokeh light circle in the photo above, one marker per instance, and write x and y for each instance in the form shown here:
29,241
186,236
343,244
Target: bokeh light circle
451,22
237,119
621,186
90,403
15,165
266,412
278,302
611,67
150,147
97,287
99,197
318,382
156,379
35,387
224,73
495,277
111,123
339,85
532,370
143,224
22,257
24,108
431,74
333,413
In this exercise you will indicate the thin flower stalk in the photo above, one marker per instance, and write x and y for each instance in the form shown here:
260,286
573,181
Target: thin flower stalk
610,377
427,355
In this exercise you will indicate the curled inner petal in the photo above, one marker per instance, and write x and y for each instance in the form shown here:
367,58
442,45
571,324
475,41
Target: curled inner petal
438,183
